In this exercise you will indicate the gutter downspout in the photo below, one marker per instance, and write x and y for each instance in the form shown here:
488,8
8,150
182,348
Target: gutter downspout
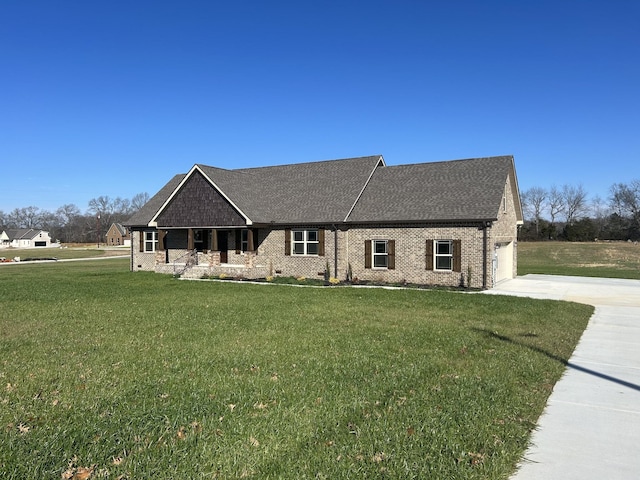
131,252
335,251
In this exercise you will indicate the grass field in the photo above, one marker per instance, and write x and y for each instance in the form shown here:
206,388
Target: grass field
601,259
106,373
68,252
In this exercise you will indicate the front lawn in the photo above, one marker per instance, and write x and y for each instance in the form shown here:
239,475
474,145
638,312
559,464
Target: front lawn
113,374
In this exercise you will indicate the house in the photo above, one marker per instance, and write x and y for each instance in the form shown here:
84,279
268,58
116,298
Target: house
117,235
440,223
25,238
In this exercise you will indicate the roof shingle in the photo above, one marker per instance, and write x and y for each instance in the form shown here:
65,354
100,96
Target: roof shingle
355,190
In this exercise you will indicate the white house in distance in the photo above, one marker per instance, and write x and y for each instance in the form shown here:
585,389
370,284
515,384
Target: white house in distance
24,238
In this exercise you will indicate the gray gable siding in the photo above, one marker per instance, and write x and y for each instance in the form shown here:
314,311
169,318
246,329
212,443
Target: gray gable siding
198,204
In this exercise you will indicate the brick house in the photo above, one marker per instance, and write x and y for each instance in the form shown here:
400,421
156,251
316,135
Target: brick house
440,223
117,235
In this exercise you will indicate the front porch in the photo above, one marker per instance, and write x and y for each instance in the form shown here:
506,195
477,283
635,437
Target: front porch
195,264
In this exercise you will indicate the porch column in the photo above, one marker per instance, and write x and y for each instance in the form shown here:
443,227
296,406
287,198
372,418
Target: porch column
190,245
214,240
252,239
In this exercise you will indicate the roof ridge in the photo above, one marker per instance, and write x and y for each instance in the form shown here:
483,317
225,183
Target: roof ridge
451,161
315,162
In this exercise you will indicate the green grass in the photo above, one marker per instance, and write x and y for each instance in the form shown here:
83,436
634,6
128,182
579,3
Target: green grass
138,375
602,259
84,251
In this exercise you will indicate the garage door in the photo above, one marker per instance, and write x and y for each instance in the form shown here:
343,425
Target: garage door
504,261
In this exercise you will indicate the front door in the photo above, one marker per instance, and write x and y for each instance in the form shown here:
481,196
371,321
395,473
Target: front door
223,245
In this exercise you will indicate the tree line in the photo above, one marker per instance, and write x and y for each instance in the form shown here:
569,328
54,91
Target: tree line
567,213
563,213
68,224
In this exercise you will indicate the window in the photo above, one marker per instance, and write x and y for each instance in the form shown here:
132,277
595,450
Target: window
305,242
150,241
443,255
380,254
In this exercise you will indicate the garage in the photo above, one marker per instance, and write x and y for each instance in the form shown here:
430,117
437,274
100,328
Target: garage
503,262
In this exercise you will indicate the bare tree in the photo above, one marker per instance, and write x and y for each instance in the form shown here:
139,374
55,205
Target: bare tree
122,206
625,201
534,202
103,205
555,204
68,217
138,201
575,202
23,218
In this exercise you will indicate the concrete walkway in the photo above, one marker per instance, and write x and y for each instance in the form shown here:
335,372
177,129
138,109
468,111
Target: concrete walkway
590,428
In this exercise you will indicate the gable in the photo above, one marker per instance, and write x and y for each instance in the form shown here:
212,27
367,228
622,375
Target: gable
198,204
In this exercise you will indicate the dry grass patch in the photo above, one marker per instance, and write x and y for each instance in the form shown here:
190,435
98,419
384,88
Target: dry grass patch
593,259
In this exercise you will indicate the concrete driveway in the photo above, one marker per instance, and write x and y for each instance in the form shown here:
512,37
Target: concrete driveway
590,428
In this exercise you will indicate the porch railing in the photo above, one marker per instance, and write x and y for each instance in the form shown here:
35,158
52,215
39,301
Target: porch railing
184,262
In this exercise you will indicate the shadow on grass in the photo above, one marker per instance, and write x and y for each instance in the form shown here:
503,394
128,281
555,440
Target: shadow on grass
568,364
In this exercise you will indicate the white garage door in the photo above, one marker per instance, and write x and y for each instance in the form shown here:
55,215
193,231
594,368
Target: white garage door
504,261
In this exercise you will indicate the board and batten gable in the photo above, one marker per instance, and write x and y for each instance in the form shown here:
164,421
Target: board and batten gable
198,204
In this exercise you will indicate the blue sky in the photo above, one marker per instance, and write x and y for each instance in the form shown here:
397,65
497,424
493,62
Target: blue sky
114,98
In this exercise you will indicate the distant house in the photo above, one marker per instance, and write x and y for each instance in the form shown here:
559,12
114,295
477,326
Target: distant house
442,223
117,235
25,238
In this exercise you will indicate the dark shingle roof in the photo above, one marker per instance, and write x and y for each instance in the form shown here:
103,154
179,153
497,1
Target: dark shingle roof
314,192
439,191
22,233
143,216
356,190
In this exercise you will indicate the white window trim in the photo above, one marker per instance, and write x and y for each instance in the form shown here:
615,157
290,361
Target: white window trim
437,255
374,254
153,241
305,242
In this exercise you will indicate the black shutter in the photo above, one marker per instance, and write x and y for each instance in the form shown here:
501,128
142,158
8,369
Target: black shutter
457,255
141,241
367,254
391,254
321,242
287,241
161,242
238,234
429,255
